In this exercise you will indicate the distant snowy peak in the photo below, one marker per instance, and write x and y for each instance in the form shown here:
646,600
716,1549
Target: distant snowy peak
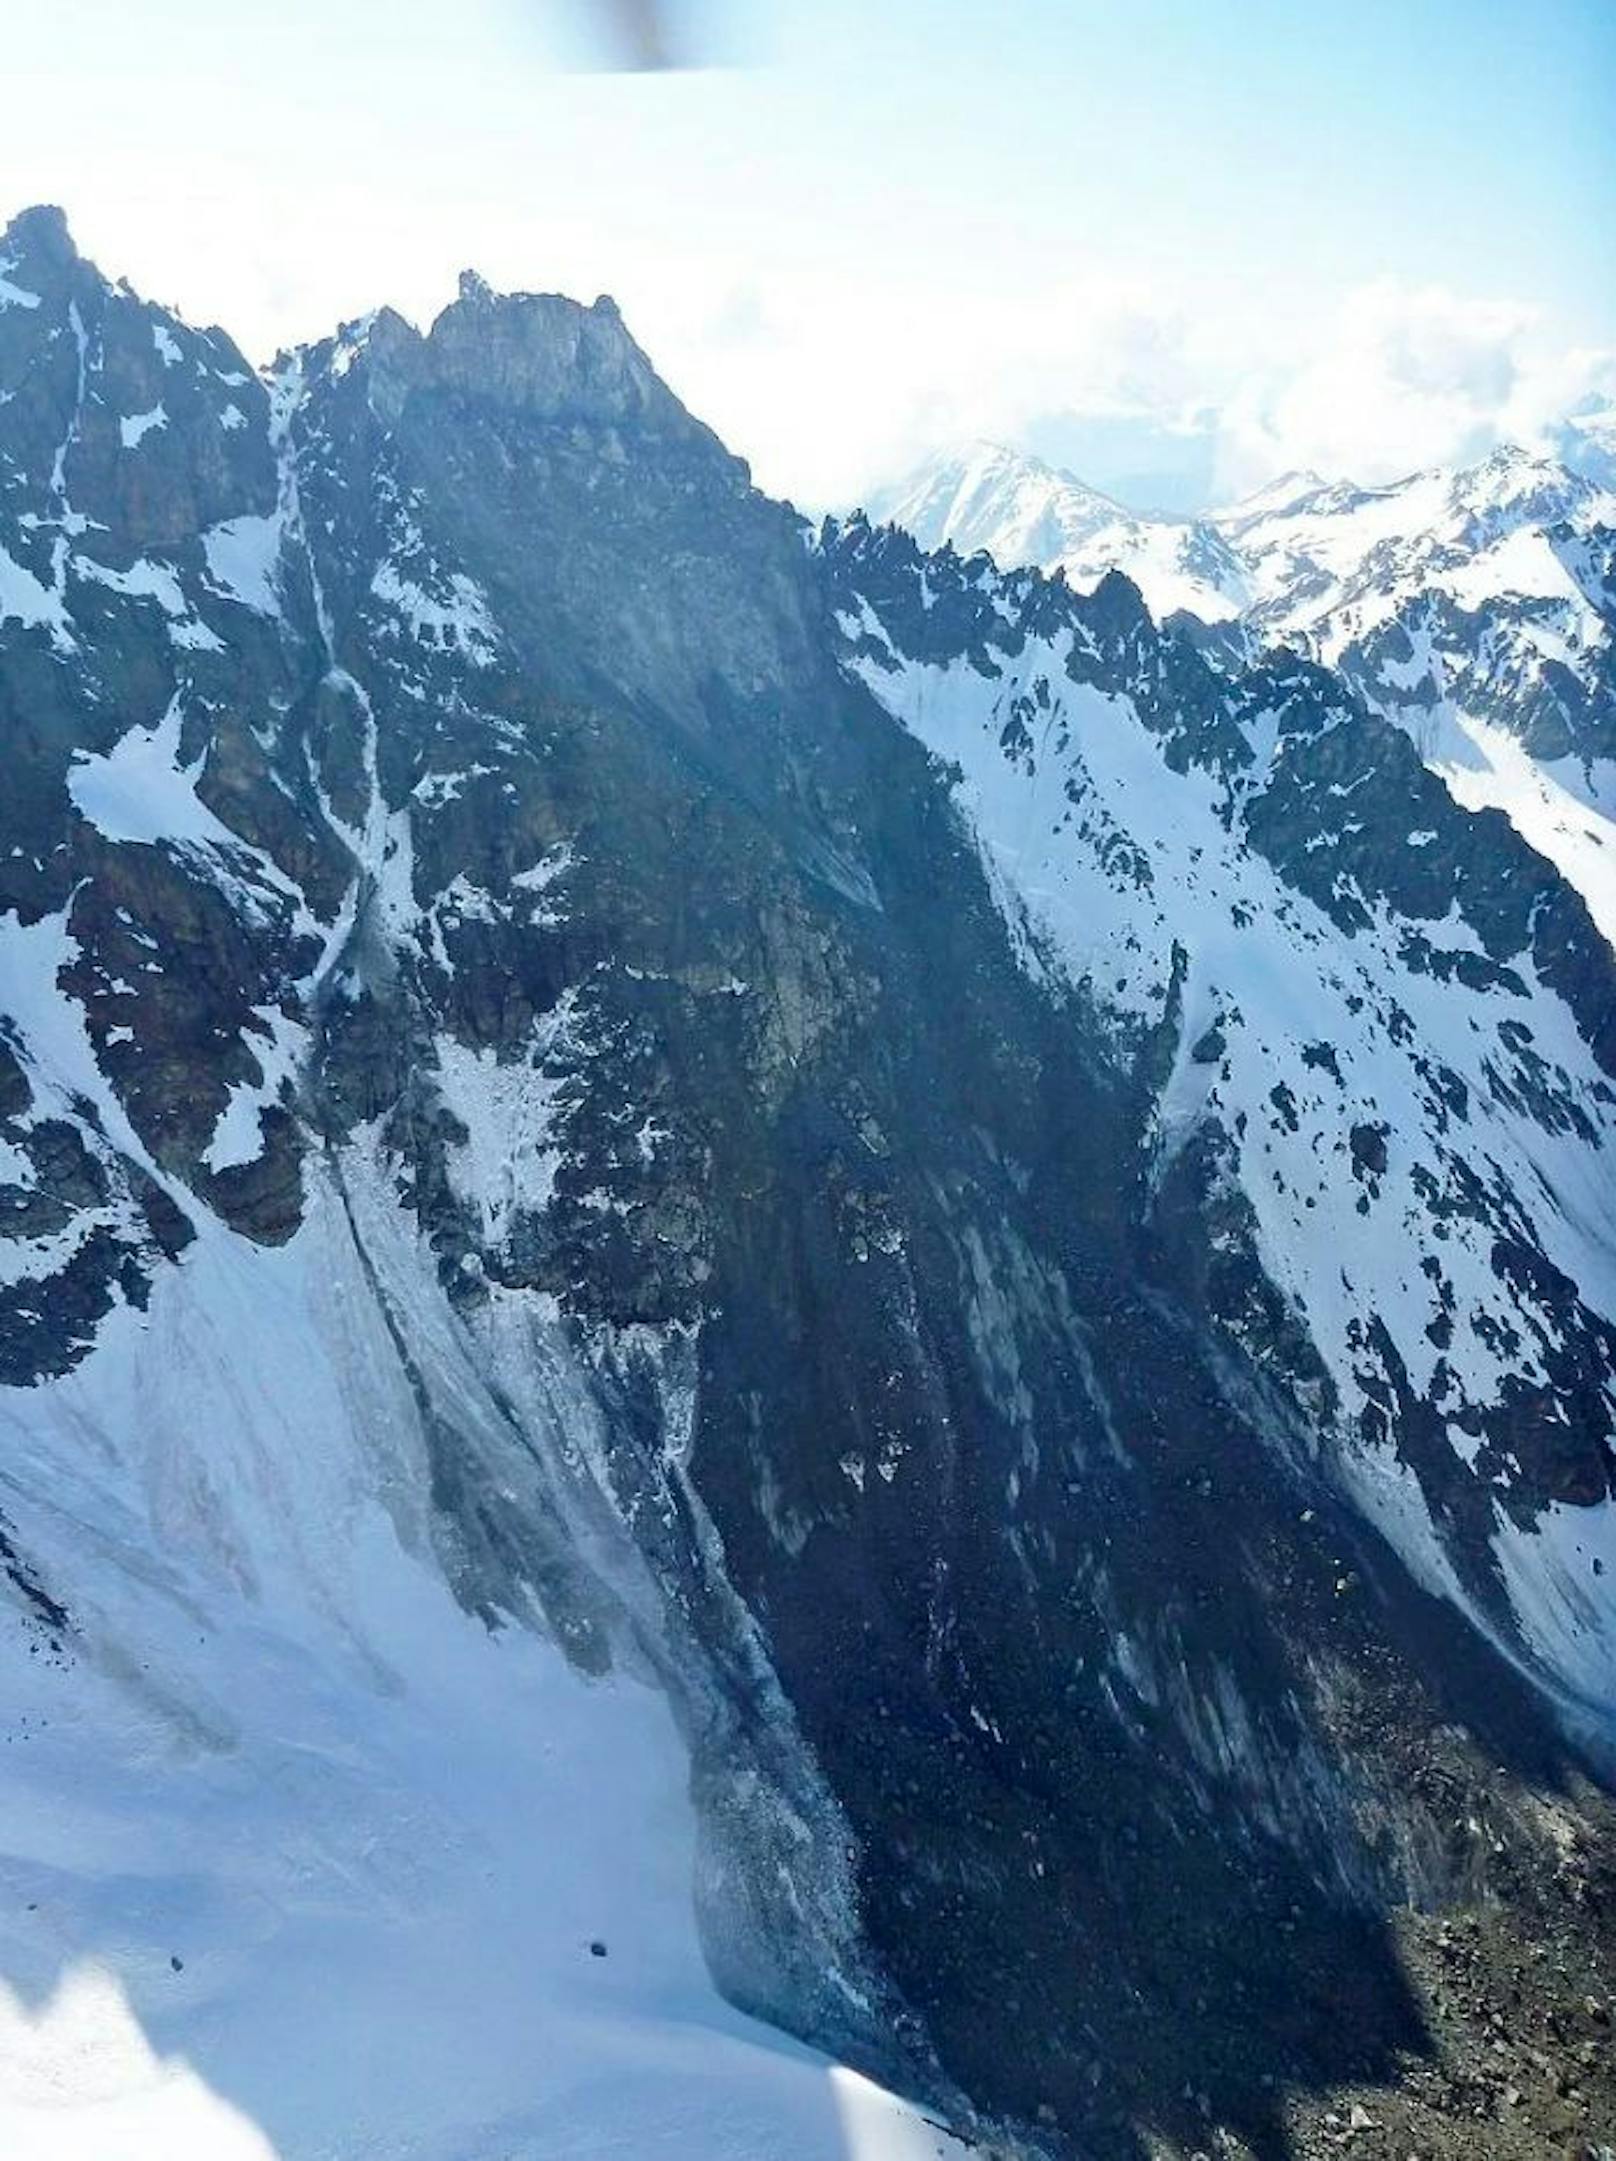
1302,558
1519,483
1474,607
1023,512
1282,494
992,493
1324,559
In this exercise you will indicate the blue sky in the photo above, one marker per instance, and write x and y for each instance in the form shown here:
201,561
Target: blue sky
1178,244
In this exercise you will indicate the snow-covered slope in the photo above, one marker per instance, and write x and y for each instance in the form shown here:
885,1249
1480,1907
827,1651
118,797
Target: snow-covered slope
296,1857
845,1272
1021,510
1476,607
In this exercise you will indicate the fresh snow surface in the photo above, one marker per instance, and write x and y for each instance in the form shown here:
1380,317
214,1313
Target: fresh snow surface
139,791
241,556
297,1859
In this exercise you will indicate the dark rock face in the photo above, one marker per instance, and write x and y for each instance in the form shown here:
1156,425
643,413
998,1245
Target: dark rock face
454,774
1285,750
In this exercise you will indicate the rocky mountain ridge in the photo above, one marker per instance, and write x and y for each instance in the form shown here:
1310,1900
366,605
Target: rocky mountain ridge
1473,607
795,1109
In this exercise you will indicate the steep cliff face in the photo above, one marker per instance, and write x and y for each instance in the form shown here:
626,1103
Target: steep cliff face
789,1059
1378,1027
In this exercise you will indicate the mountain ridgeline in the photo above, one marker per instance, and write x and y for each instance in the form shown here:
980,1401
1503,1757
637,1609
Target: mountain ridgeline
1017,1209
1475,608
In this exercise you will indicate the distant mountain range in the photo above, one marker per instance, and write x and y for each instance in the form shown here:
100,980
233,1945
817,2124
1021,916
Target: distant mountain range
1022,511
1476,606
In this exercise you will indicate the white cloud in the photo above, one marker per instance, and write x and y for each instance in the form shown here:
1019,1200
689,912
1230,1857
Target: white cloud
1132,389
830,391
1392,378
1399,377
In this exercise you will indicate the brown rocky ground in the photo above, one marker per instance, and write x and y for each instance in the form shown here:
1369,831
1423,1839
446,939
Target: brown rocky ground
1519,1999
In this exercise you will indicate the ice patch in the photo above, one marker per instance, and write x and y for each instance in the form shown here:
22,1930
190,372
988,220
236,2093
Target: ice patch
508,1161
236,1137
146,580
14,296
461,623
25,600
545,873
242,557
435,789
135,427
143,580
140,792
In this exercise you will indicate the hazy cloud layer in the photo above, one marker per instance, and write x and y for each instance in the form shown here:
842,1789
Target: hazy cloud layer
1164,409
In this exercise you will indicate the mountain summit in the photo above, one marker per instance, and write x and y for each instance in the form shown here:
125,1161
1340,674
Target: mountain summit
1020,510
756,1285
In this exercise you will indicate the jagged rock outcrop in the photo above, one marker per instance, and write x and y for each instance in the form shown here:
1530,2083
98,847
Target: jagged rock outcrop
806,1046
1473,608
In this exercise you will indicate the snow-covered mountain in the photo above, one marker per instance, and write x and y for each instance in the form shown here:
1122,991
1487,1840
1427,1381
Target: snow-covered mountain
347,1806
1240,919
1329,563
752,1287
1021,510
1476,607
